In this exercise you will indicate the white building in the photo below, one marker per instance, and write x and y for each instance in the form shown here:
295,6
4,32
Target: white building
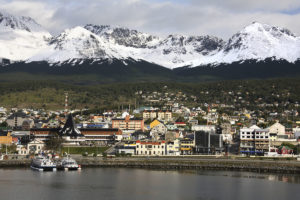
151,148
254,140
35,147
205,128
173,148
277,131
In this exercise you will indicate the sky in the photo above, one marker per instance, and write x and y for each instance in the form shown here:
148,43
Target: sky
221,18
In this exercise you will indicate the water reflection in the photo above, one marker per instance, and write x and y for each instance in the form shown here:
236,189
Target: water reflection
146,184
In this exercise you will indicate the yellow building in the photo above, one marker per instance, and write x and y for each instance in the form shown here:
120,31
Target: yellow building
6,139
187,145
154,123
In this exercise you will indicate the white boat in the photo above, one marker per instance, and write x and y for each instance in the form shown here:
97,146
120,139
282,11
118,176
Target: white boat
68,163
43,163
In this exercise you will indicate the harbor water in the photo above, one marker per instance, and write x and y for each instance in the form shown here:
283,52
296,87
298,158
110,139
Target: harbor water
117,183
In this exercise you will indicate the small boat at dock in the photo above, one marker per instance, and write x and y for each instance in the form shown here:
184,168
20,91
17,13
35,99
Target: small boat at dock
43,163
68,163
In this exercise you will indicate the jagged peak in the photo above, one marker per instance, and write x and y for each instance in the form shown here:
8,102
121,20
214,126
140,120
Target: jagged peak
261,27
19,22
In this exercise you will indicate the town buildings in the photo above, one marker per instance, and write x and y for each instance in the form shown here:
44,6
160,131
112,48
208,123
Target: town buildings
163,115
127,123
254,140
151,148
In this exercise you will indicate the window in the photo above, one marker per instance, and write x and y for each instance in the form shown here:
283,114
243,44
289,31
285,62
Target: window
137,146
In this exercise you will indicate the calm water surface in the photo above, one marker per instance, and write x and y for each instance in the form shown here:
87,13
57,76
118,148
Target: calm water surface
146,184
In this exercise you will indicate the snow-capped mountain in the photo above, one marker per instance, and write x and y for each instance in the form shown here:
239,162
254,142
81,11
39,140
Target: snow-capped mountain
172,51
22,39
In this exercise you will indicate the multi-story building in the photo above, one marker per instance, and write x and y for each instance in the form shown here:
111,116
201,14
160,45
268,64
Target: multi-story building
101,134
164,115
149,114
128,123
208,143
254,140
151,148
173,148
186,146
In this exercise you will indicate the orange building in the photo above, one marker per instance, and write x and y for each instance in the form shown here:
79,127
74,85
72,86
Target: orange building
128,124
8,139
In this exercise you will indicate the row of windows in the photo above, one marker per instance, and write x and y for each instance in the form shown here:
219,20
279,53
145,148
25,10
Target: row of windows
150,146
149,153
258,137
248,133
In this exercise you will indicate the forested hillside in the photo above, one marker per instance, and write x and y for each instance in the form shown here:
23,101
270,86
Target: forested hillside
50,94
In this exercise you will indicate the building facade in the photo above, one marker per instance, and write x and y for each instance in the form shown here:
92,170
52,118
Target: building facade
151,148
254,140
128,123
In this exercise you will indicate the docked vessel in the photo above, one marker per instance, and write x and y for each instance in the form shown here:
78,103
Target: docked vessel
68,163
43,163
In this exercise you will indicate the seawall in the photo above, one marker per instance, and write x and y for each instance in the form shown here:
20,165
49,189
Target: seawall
261,166
288,167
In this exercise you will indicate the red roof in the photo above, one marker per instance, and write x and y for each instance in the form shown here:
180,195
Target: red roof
179,122
149,142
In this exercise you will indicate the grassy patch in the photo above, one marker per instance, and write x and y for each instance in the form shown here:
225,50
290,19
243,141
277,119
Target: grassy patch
81,150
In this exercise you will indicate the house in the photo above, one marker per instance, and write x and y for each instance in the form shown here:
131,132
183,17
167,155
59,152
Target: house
155,123
284,150
159,128
157,148
277,131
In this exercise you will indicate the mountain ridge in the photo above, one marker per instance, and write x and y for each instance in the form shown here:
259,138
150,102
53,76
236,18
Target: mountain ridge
22,39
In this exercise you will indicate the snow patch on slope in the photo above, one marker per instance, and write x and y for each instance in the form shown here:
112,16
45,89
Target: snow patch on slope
21,37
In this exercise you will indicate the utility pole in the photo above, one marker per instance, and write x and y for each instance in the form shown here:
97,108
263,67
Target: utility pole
66,103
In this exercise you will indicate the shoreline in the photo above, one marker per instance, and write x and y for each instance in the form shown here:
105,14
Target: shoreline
219,164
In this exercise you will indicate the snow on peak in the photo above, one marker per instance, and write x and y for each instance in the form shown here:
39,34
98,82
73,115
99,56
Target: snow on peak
21,37
261,41
76,43
123,36
19,23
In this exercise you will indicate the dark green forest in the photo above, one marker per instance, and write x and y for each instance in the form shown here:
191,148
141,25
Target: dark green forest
51,94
